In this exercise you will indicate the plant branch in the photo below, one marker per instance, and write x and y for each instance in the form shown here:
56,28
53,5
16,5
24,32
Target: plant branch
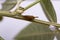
32,4
13,15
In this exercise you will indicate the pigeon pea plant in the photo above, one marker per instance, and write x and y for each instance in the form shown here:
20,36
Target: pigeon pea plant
38,29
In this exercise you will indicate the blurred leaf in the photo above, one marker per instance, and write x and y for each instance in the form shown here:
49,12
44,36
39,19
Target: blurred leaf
9,4
58,36
50,13
1,38
48,10
35,31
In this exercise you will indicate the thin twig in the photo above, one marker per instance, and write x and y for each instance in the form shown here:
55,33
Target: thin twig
32,4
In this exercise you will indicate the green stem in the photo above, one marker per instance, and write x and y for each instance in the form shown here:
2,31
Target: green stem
32,4
6,13
12,15
45,22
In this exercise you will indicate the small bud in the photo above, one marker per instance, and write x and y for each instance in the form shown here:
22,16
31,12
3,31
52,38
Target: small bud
20,10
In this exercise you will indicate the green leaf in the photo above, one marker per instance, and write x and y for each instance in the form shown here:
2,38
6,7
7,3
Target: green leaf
49,10
35,31
9,4
50,13
1,38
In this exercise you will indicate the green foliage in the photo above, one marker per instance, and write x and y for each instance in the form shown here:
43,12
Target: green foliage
35,31
40,31
48,10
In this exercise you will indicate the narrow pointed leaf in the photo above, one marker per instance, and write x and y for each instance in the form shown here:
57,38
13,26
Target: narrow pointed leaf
35,31
49,10
50,13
